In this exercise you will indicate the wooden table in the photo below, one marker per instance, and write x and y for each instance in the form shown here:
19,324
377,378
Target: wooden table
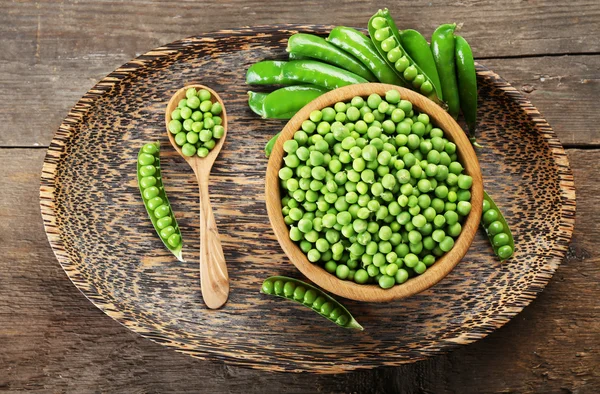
53,340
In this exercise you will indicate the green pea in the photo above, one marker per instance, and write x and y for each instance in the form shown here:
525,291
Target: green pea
278,287
219,132
447,243
327,308
167,231
150,192
148,181
463,208
174,240
147,170
505,252
386,281
267,287
161,211
196,117
288,289
495,228
500,239
202,152
401,276
188,149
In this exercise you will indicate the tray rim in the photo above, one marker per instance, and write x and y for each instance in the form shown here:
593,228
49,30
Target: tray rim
73,118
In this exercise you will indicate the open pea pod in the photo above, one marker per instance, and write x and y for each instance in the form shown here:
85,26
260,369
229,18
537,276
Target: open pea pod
312,297
386,38
155,198
497,229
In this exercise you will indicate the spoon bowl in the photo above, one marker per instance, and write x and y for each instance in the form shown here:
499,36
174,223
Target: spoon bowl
214,279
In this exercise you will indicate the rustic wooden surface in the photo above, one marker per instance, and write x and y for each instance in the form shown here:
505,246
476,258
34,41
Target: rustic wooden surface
54,340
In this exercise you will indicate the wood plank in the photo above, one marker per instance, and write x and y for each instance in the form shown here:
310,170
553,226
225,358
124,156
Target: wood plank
52,338
562,88
53,53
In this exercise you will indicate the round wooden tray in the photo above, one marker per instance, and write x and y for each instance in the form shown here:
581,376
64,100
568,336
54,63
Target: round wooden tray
100,233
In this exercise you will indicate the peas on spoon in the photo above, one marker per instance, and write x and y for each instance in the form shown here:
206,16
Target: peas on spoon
214,279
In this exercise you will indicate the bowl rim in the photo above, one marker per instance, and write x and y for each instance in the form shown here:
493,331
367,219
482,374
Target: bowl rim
372,292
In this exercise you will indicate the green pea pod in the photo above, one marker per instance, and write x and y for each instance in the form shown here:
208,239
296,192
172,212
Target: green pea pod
311,46
285,102
155,199
295,56
497,229
276,72
386,39
320,74
270,144
442,48
311,296
268,72
359,45
418,49
467,82
255,102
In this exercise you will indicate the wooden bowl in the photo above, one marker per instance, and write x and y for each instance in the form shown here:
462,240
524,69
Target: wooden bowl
372,292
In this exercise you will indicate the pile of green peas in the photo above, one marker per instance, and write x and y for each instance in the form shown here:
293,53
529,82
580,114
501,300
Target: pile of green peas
196,123
372,190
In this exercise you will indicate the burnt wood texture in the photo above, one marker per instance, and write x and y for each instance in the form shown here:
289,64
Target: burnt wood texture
97,227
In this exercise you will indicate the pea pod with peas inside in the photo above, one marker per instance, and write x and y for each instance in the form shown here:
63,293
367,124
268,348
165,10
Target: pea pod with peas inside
275,72
386,39
442,48
497,229
314,298
155,199
361,47
312,46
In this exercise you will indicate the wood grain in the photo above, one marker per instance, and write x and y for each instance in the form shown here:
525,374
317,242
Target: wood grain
349,289
61,49
53,339
159,298
214,279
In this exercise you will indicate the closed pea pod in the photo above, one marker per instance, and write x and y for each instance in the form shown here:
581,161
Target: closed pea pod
155,199
359,45
467,82
285,102
311,46
309,295
497,229
275,72
442,48
268,72
255,102
319,74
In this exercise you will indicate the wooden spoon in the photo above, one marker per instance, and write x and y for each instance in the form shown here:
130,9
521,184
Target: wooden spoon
214,280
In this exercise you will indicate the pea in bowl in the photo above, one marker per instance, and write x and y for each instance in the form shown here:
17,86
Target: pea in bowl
374,192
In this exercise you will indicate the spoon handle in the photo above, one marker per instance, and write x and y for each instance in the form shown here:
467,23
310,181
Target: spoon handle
214,280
